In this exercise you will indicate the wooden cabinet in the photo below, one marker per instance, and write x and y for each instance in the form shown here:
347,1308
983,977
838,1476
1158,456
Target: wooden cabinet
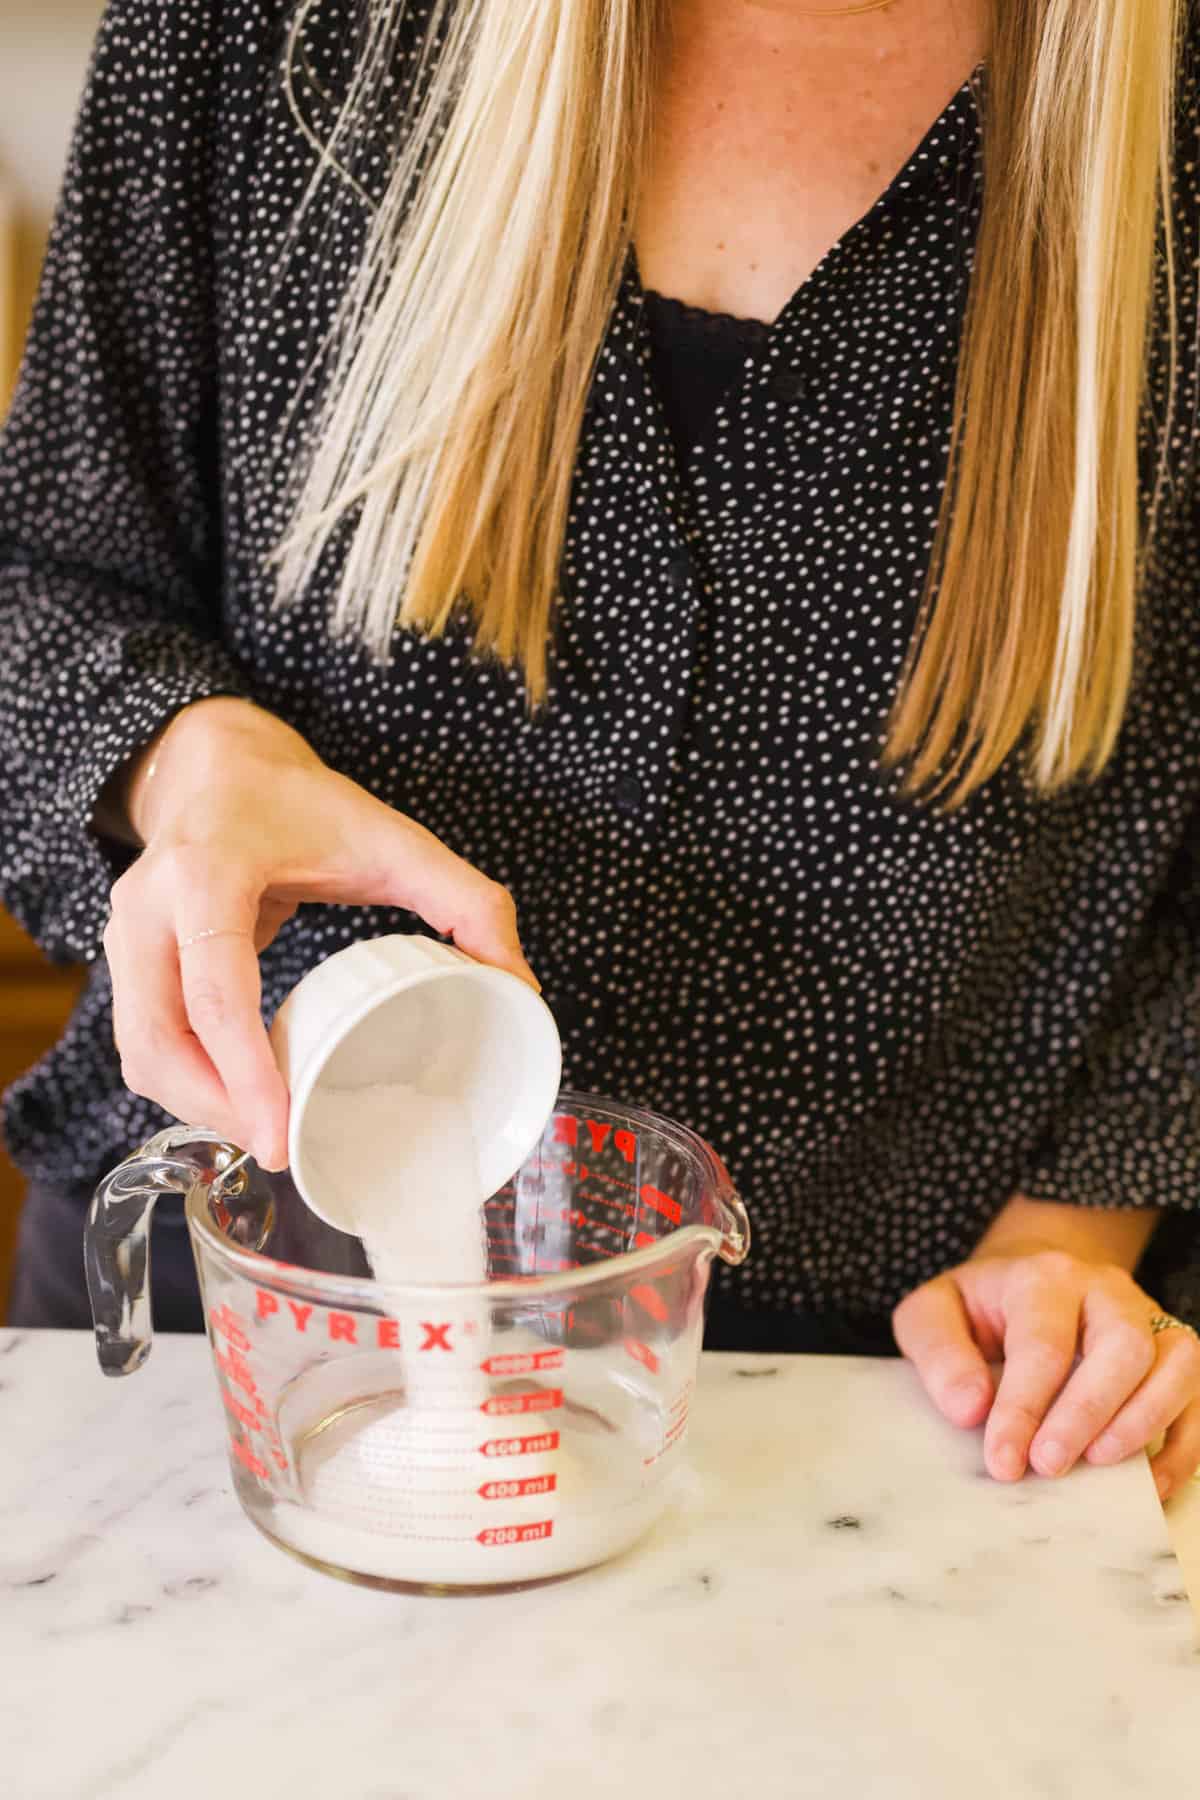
43,52
35,999
22,247
9,353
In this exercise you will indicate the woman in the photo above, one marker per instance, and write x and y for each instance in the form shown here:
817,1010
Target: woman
719,475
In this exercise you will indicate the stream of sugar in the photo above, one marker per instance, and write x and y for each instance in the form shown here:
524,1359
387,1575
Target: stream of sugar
402,1169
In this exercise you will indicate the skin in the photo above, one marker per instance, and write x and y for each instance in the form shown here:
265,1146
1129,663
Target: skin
775,131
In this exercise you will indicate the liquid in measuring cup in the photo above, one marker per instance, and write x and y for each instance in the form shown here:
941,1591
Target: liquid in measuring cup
531,1482
453,1461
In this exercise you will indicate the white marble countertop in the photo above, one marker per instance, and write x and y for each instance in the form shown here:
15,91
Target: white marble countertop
843,1603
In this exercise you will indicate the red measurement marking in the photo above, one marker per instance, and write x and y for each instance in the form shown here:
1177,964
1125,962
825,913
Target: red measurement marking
238,1371
247,1458
539,1400
229,1324
525,1364
612,1181
513,1490
521,1446
516,1534
644,1239
642,1353
244,1414
653,1302
662,1203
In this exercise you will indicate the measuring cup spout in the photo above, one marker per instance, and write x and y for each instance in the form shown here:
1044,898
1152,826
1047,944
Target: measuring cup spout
117,1236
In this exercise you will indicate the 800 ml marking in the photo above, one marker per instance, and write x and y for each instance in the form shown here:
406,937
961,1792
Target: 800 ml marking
540,1400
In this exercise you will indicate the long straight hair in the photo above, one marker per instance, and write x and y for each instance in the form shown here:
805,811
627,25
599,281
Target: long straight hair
459,363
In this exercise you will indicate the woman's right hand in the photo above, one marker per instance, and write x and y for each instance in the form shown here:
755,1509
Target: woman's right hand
242,822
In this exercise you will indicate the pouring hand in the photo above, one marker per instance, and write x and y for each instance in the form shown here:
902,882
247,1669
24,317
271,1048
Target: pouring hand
241,822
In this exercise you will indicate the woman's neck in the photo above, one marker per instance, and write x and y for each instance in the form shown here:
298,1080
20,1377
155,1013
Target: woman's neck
776,130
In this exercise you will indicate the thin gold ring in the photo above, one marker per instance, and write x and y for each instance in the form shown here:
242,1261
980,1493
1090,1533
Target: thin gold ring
1168,1322
843,12
198,937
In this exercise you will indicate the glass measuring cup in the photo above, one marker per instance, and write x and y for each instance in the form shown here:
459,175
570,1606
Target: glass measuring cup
452,1436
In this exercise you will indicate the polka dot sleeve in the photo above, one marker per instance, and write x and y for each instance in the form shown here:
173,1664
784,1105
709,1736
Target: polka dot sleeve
110,558
1128,1131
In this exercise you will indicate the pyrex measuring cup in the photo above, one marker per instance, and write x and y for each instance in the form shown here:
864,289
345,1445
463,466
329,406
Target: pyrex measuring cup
452,1436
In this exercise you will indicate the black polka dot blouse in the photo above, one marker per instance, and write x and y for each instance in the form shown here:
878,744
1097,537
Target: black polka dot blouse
889,1021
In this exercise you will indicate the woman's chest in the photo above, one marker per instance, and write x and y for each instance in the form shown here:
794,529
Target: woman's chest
774,131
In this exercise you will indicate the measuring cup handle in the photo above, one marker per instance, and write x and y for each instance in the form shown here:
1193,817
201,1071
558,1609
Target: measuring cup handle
736,1246
729,1214
116,1244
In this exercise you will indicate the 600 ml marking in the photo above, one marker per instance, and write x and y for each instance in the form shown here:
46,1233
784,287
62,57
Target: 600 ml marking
521,1446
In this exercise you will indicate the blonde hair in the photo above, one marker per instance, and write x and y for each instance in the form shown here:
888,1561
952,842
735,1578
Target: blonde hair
462,353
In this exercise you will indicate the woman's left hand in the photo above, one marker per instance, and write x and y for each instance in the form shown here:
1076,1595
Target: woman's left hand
1038,1310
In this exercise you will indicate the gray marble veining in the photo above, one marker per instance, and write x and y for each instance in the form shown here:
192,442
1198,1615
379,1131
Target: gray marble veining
842,1603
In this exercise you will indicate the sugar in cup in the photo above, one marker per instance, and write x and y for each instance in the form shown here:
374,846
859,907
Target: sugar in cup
421,1030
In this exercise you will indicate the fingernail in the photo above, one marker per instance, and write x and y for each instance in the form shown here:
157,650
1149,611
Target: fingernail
970,1391
1007,1461
1106,1448
1051,1458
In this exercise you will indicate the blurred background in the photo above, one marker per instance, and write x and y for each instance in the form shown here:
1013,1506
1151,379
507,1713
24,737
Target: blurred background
44,48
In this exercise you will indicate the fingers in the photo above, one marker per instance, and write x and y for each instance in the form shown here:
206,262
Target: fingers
188,923
1042,1303
1179,1457
1163,1398
188,1024
272,914
222,994
1119,1352
160,1056
933,1331
1129,1387
417,871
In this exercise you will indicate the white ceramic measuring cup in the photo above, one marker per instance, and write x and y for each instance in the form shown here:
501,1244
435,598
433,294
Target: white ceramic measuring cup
410,1010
